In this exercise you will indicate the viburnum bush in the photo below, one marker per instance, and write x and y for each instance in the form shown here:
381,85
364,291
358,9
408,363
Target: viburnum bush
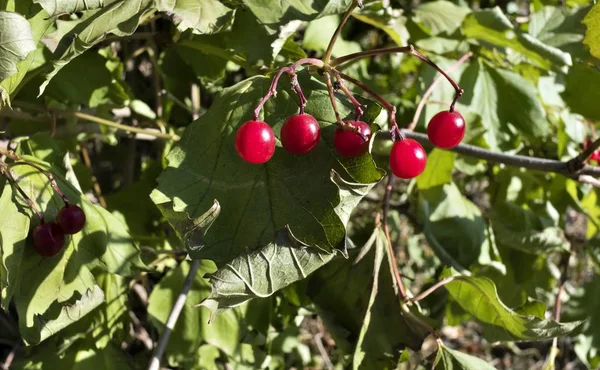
299,184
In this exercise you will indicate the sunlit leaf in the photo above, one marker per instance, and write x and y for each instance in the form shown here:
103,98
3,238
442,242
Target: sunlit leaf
58,7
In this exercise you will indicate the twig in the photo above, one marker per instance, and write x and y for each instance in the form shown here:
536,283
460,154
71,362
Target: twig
398,285
532,163
98,120
336,34
564,266
173,316
195,92
429,90
322,351
10,357
432,289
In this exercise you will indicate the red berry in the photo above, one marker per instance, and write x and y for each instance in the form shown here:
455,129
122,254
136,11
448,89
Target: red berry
255,142
71,219
446,129
48,239
407,159
300,133
349,143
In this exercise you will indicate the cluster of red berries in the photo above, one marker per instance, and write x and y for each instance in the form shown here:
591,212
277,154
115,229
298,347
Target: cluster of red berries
49,237
255,140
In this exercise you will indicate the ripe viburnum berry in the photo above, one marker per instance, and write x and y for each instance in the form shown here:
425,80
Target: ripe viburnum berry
446,129
300,134
349,143
407,159
71,219
48,239
255,142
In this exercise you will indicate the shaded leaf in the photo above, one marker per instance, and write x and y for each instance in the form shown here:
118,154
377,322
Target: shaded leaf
58,7
17,42
492,26
387,19
580,94
478,296
449,359
119,18
203,16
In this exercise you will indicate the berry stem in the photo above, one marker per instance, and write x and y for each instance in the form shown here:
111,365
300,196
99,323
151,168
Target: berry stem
46,173
298,90
291,71
357,107
410,49
338,30
395,131
430,89
332,99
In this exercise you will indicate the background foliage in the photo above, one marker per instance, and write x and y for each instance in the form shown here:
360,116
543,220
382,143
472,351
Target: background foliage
133,105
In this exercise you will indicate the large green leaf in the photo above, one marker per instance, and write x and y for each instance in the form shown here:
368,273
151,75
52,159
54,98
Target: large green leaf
580,94
449,359
492,26
16,43
440,16
120,18
489,91
52,293
58,7
478,296
202,16
274,14
258,200
592,35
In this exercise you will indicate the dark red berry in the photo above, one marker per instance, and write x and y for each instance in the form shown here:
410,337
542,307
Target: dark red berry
446,129
300,133
407,159
48,239
349,143
71,219
255,142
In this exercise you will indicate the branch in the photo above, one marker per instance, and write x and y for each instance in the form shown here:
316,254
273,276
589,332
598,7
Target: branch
532,163
429,90
173,316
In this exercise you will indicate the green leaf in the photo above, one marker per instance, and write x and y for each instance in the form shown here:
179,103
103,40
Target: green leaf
455,228
193,327
492,26
592,35
263,271
478,296
40,23
14,228
274,14
440,16
449,359
488,91
17,42
120,18
318,33
203,16
258,200
387,19
440,164
558,27
580,94
58,7
343,293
